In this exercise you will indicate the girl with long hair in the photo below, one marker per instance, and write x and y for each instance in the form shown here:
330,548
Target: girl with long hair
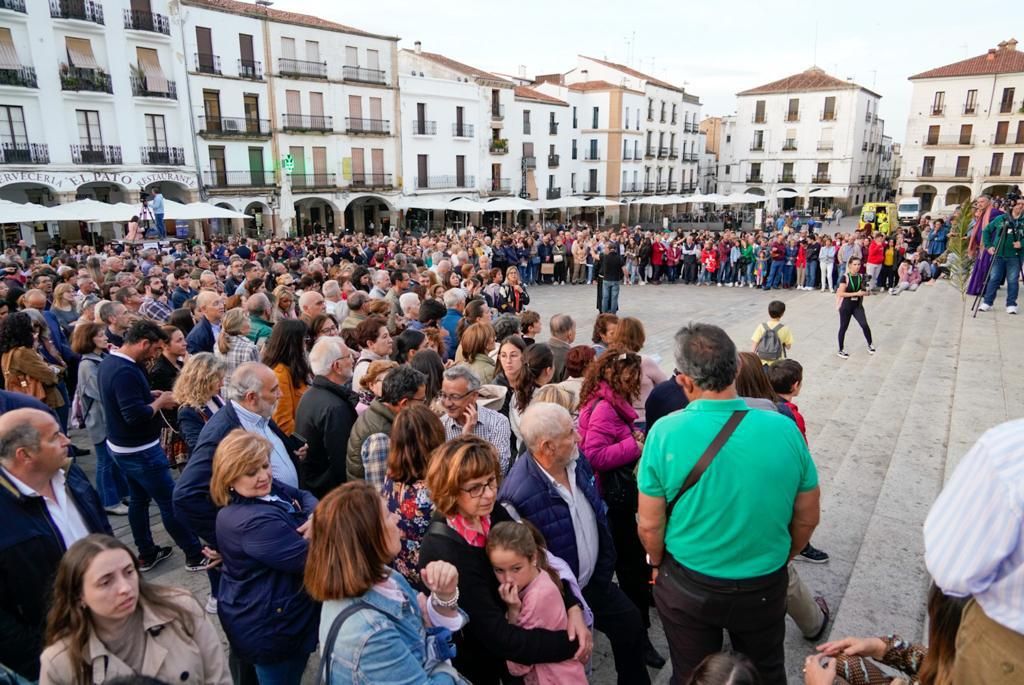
538,368
285,353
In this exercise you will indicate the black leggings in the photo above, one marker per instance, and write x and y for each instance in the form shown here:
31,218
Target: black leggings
855,310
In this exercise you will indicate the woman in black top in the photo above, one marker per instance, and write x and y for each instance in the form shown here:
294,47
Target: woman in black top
850,303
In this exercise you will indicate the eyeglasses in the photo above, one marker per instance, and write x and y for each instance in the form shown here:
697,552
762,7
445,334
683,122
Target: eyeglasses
445,397
477,491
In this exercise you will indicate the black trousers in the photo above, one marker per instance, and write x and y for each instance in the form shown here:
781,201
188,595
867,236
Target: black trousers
617,617
854,310
695,609
631,569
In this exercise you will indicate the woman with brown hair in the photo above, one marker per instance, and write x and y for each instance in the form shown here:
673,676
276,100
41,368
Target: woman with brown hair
629,336
373,626
375,343
24,369
537,369
415,434
197,392
266,614
107,622
475,345
285,353
476,311
371,384
604,332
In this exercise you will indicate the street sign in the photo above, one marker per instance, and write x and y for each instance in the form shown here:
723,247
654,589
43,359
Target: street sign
288,163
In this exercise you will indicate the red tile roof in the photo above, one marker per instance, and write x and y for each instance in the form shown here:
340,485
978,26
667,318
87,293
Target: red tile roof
531,94
637,74
812,79
249,9
592,85
459,66
1005,59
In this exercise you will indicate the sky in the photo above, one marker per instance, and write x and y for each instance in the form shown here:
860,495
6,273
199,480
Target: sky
712,49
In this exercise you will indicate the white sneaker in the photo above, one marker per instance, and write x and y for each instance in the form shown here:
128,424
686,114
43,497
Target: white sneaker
1012,309
728,285
719,285
211,605
984,307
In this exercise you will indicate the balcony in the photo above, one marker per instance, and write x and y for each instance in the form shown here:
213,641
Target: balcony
759,118
792,116
789,145
757,146
688,188
91,80
422,127
553,161
24,77
238,179
141,89
650,115
363,75
826,145
306,122
300,68
140,20
787,178
234,127
649,186
553,193
821,178
828,115
591,190
672,186
631,187
371,181
552,128
970,109
690,157
694,128
442,182
1005,106
593,154
499,146
935,111
529,162
313,181
755,177
673,153
662,152
163,156
83,10
662,187
949,141
24,153
497,112
649,154
499,185
96,154
954,173
13,5
206,63
627,154
250,69
379,127
462,130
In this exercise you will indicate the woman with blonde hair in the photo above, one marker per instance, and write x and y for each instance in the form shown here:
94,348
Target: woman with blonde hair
284,304
233,343
475,346
106,622
266,614
63,307
197,392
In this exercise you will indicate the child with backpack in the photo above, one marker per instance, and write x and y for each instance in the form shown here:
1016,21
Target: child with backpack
772,338
786,377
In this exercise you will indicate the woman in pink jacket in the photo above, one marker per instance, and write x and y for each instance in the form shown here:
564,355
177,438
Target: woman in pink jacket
612,445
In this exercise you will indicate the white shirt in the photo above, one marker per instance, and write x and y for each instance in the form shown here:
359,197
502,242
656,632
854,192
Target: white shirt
281,466
584,521
339,309
62,509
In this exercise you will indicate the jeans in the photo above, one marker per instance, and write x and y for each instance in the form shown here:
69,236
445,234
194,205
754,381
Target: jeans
161,232
774,279
725,272
812,275
706,276
617,617
1008,268
590,274
610,297
149,479
282,673
110,482
750,272
788,275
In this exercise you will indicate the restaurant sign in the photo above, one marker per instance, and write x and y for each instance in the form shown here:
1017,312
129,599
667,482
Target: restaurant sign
69,181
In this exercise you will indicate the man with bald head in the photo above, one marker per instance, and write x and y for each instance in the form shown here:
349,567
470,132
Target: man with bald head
210,306
46,504
311,305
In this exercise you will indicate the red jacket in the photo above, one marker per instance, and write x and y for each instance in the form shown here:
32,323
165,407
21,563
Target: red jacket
657,253
876,252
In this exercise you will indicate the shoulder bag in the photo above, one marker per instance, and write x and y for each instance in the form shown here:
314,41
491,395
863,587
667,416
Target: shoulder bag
705,459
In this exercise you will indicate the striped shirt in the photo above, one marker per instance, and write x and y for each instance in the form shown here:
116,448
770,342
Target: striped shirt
973,539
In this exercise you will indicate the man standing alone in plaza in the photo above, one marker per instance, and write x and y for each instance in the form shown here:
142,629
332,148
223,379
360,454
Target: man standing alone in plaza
718,538
611,270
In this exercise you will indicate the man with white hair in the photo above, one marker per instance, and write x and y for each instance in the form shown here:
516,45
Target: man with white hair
409,303
333,304
381,283
455,301
210,306
552,488
460,389
325,416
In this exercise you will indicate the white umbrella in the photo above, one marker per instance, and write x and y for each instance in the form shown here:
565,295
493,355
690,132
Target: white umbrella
204,210
17,213
508,204
464,204
785,194
599,202
827,192
421,202
92,210
744,198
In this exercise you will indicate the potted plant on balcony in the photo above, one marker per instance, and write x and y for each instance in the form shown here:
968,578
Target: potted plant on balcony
499,144
68,78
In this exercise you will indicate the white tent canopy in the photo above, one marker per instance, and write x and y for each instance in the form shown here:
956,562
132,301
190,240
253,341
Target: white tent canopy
421,202
464,204
827,192
508,204
744,198
599,202
785,194
16,213
92,210
199,210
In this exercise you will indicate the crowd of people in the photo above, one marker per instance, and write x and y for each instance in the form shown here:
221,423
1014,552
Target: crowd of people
375,449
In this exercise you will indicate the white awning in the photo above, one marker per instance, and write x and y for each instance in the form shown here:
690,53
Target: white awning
80,53
149,64
8,55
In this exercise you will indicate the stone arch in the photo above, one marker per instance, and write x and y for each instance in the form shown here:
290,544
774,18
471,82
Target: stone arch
997,189
24,191
927,194
315,213
366,210
171,191
108,191
260,221
756,191
958,194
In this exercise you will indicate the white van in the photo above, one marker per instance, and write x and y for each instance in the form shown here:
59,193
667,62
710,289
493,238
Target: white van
909,210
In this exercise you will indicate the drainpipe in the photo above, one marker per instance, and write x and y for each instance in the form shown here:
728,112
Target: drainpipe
174,7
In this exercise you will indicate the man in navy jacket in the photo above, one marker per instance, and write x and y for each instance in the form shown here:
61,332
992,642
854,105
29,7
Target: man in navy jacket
553,487
36,480
210,306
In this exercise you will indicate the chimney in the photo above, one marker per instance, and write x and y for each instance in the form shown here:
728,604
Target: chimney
585,73
522,71
1011,44
417,47
991,56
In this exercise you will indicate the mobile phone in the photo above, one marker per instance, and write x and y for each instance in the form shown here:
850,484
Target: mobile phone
299,439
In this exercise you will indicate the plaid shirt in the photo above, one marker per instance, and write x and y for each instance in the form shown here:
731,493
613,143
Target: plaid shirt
240,350
155,309
490,425
375,458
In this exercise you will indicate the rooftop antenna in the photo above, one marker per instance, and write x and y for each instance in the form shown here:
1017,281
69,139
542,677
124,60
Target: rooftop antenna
874,76
815,58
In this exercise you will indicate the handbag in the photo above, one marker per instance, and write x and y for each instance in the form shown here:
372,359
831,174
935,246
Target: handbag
559,259
547,269
22,383
173,444
620,488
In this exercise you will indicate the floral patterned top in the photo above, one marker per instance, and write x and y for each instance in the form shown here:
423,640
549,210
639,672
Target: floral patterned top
414,507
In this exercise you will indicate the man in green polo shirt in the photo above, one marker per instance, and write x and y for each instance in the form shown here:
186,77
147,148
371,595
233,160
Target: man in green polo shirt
721,558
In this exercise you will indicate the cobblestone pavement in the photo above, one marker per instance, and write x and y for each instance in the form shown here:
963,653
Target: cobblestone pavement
885,430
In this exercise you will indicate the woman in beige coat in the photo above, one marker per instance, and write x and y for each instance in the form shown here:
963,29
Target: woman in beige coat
107,621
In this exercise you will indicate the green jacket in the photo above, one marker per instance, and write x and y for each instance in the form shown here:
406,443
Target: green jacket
992,236
259,330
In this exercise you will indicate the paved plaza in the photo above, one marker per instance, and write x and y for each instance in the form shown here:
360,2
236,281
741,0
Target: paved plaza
885,430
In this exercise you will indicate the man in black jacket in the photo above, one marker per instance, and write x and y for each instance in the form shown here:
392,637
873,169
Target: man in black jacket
46,504
325,416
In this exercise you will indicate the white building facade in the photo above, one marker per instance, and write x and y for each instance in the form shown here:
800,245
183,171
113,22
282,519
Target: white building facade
965,131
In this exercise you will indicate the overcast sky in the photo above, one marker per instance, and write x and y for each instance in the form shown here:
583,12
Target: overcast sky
713,49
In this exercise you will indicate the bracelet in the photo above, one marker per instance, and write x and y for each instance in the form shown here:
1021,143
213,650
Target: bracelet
445,603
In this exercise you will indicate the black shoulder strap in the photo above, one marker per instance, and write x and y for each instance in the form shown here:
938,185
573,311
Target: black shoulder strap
705,459
327,648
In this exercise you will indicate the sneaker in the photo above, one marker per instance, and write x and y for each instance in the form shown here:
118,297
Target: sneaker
198,564
984,307
871,349
719,285
842,354
211,605
159,554
812,554
117,510
1012,309
823,605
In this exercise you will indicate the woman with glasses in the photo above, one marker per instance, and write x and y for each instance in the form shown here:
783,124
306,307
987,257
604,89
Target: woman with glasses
463,478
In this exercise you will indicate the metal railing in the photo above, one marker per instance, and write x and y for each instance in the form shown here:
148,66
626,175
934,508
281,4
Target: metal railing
462,130
649,153
935,111
13,5
792,116
287,66
529,162
757,146
497,112
553,161
828,115
437,182
362,125
553,128
141,20
958,140
690,157
592,154
649,186
553,193
85,10
250,69
207,63
1005,106
787,178
234,126
140,88
93,80
26,77
789,145
422,127
591,190
946,172
672,185
96,154
313,180
238,179
970,108
499,147
755,178
826,145
673,153
371,180
759,118
363,75
168,156
632,187
307,122
821,178
24,153
499,185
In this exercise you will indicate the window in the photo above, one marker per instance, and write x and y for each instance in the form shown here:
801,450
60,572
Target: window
156,131
758,143
625,181
787,172
593,149
421,118
320,166
755,172
351,56
377,164
821,175
596,117
675,118
312,51
373,59
1020,133
460,170
939,103
287,47
12,128
1002,128
996,168
728,137
759,117
526,122
963,166
293,102
933,136
1006,102
793,111
89,128
574,123
218,166
650,109
421,171
971,103
966,134
256,166
359,165
928,166
636,149
551,182
727,169
572,182
1017,164
574,152
592,183
627,125
829,113
663,111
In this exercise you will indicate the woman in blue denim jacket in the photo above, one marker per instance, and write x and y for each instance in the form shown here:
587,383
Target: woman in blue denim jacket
374,627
